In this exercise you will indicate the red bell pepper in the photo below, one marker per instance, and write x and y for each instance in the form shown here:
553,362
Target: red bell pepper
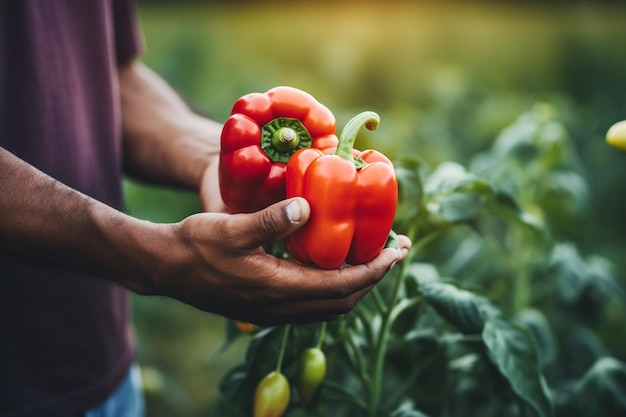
263,131
353,198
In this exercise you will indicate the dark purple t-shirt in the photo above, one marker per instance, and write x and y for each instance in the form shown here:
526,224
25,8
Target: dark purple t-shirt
65,337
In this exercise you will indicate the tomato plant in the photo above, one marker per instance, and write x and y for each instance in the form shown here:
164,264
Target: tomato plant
493,313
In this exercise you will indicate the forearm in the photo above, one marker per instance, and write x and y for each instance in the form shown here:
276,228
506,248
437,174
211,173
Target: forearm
47,221
212,261
164,141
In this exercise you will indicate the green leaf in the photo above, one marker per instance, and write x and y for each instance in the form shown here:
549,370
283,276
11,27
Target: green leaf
392,240
456,195
418,273
510,347
410,192
447,177
578,276
570,271
237,389
404,412
505,206
462,308
535,321
600,392
513,352
456,207
564,191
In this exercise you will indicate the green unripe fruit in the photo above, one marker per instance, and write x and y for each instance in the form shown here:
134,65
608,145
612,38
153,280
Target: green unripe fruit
616,136
272,396
311,371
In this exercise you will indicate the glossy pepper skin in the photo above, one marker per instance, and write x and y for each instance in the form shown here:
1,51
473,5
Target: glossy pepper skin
262,132
272,396
353,197
311,372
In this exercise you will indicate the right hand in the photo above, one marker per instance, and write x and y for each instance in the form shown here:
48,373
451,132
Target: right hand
218,264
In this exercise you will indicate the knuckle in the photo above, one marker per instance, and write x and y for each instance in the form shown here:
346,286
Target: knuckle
270,222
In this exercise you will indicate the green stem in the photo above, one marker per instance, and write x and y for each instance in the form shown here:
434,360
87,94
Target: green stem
283,347
282,137
389,318
320,341
363,313
358,361
522,282
378,299
377,380
369,119
407,382
366,318
381,351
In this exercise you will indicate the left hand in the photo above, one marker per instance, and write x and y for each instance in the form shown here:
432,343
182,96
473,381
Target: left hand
210,197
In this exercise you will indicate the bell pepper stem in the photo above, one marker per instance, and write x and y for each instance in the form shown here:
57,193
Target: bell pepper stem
282,137
367,119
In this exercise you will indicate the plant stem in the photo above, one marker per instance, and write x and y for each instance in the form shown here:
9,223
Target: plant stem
406,384
522,283
378,299
388,319
355,356
369,119
283,347
320,341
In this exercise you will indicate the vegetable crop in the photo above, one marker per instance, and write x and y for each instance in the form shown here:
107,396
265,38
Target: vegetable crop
259,137
616,136
491,314
353,197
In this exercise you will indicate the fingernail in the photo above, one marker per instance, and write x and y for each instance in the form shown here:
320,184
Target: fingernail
294,212
404,252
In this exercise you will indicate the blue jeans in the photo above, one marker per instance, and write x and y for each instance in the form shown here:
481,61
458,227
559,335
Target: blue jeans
127,399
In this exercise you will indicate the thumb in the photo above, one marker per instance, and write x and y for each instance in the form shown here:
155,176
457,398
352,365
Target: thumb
272,223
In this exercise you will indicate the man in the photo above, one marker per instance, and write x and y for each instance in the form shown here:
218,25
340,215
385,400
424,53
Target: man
77,109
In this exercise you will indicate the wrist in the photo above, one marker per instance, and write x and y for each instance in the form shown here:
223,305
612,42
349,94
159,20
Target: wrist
198,147
133,250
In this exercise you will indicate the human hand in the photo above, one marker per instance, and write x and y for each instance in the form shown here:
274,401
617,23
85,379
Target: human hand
210,197
218,265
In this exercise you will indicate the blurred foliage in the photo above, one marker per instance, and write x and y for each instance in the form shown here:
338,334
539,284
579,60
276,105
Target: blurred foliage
470,82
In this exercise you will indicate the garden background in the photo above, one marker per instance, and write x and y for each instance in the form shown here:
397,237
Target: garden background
446,78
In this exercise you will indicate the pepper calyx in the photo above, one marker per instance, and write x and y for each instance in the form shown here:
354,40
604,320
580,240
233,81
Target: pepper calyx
282,137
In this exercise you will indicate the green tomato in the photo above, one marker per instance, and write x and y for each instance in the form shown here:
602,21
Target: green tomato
311,371
272,396
616,136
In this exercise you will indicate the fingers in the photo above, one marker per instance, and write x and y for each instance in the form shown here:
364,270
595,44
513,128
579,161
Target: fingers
210,197
263,289
270,224
303,294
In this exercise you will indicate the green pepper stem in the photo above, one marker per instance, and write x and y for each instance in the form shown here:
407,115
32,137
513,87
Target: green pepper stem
282,137
369,119
285,139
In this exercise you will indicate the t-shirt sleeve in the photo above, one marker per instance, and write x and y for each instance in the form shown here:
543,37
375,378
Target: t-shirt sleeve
128,37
